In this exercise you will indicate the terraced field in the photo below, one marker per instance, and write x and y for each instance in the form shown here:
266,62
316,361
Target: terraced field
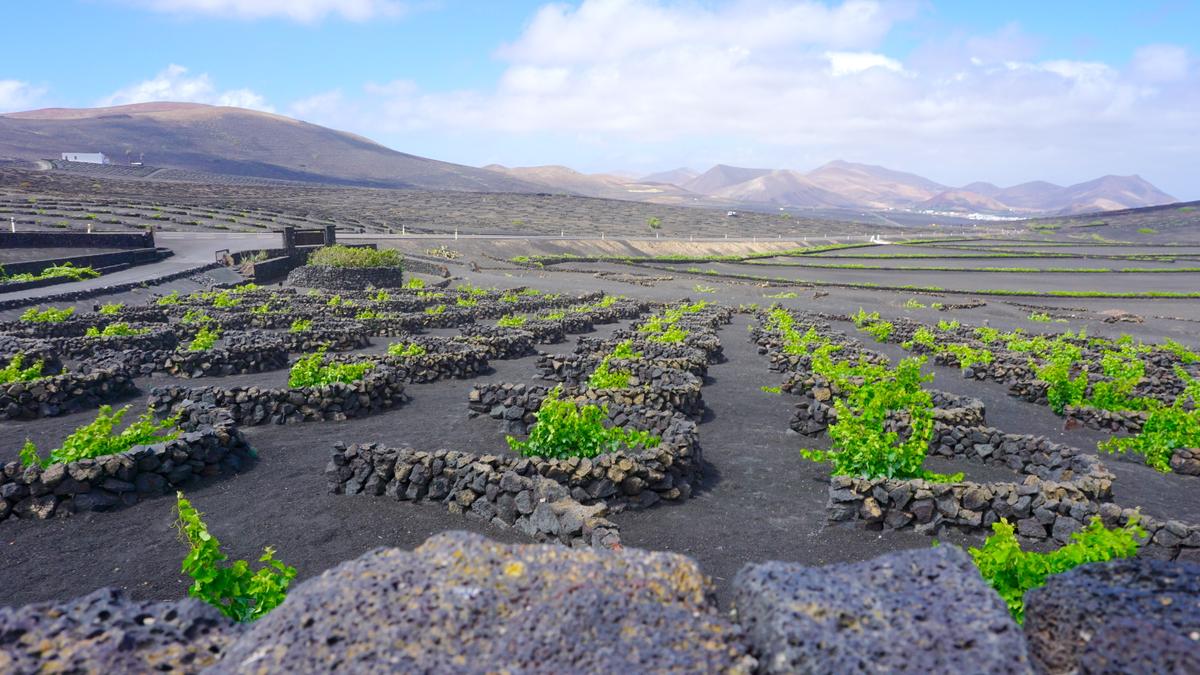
747,405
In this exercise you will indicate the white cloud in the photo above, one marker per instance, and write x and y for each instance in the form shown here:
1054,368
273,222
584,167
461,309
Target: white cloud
16,95
850,63
175,84
1162,63
792,84
305,11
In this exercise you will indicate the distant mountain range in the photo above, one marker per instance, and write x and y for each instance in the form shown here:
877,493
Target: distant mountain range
234,141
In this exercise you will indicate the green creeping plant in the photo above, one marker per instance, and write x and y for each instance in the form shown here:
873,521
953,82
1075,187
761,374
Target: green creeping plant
240,594
96,439
118,329
16,372
565,429
312,371
406,350
511,321
48,315
205,339
1012,572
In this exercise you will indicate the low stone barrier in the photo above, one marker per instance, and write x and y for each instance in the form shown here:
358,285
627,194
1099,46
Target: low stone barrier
123,479
335,337
629,478
500,343
484,488
31,350
380,389
517,403
62,394
159,338
345,278
461,363
1041,511
241,353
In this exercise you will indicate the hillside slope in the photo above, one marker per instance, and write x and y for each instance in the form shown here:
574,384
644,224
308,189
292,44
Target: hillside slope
235,141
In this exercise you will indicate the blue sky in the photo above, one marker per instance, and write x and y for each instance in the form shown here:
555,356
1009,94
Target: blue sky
956,91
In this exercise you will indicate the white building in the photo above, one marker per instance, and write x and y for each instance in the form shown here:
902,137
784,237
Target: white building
88,157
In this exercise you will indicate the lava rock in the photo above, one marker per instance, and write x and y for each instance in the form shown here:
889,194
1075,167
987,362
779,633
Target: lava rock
460,602
1072,607
924,610
106,632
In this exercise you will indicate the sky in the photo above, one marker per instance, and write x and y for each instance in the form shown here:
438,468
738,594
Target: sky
1004,92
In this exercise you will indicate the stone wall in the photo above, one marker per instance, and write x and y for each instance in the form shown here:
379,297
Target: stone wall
123,479
62,394
517,403
631,478
238,355
1041,511
380,389
336,337
500,343
486,488
345,278
46,239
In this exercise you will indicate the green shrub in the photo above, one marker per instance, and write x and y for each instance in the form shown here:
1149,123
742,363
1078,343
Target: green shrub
96,439
48,315
64,271
771,390
553,316
224,299
564,429
782,295
862,444
246,287
923,337
384,296
511,321
1181,352
913,304
205,339
262,309
240,594
118,329
435,310
1012,571
346,256
14,372
171,298
430,295
701,288
312,371
604,377
111,308
406,350
1166,429
300,326
195,316
967,355
415,283
673,335
880,330
1039,317
947,326
510,297
987,335
466,302
369,314
1063,390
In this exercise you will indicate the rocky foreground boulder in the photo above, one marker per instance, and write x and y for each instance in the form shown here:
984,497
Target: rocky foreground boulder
918,611
461,603
1127,616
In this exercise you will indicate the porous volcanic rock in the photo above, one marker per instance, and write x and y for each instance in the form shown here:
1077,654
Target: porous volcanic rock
106,632
460,602
916,611
1062,617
